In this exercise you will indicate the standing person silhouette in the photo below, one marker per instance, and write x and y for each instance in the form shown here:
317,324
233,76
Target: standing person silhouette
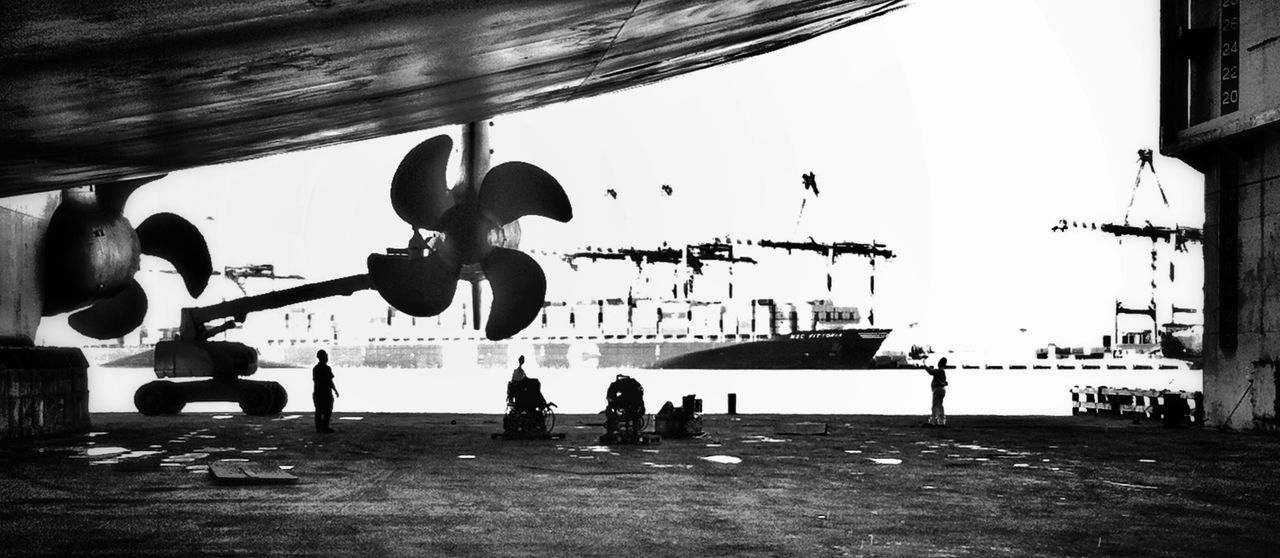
324,392
938,416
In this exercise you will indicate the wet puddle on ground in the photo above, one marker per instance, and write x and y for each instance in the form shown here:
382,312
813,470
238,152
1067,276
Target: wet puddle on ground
763,439
180,460
117,456
587,452
102,455
988,453
666,465
725,459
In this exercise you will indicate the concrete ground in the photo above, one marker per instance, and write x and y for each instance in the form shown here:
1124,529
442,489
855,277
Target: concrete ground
437,485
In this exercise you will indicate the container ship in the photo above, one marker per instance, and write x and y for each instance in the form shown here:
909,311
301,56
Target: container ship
614,333
680,331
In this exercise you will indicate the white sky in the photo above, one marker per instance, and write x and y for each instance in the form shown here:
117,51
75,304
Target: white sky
957,133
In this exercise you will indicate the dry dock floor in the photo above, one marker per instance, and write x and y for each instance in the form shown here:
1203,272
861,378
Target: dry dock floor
438,485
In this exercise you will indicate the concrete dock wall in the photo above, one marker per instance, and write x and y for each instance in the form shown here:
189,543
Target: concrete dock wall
43,391
1242,285
23,220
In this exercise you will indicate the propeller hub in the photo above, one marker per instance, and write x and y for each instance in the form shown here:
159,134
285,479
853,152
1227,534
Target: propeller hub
90,255
467,233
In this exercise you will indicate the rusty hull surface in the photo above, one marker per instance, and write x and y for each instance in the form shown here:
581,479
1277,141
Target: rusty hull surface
97,91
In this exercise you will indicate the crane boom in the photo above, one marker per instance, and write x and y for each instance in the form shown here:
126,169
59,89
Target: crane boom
1179,236
834,248
194,319
693,255
636,255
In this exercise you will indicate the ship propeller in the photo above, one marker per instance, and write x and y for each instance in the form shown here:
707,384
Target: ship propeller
477,240
92,252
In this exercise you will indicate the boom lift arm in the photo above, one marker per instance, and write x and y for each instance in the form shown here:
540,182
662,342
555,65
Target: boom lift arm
193,355
194,320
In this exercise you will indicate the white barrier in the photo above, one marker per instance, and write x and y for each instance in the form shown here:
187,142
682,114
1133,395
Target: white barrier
1171,406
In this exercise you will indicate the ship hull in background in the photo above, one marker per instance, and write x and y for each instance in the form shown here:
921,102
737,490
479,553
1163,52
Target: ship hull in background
833,349
852,349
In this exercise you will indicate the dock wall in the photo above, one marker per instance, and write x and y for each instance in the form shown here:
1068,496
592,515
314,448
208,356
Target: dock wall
1242,285
23,220
43,390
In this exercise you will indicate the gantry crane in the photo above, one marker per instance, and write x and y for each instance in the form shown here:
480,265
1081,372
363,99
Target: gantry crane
1178,340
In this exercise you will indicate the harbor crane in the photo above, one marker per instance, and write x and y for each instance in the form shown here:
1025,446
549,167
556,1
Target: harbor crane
1178,340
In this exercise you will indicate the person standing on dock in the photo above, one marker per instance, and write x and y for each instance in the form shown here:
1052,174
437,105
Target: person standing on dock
324,392
938,417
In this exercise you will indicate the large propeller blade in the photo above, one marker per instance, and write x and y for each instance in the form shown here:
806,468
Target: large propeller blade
419,191
176,240
113,317
519,289
514,190
415,286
